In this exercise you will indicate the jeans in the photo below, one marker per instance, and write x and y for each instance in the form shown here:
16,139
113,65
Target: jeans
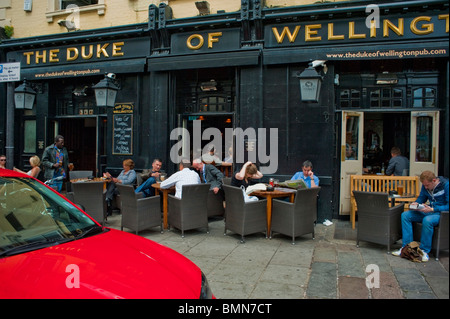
429,221
146,187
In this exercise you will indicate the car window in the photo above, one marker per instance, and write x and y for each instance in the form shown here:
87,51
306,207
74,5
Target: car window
31,213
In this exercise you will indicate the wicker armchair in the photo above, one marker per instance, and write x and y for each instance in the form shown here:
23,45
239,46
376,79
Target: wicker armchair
440,235
190,211
90,195
298,218
138,213
377,223
241,217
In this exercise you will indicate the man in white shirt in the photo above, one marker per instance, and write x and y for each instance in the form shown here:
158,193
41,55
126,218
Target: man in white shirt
184,176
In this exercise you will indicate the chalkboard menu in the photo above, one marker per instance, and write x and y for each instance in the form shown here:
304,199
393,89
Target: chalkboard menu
123,129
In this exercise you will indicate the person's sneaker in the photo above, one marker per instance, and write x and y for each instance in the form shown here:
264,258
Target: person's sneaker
397,252
425,257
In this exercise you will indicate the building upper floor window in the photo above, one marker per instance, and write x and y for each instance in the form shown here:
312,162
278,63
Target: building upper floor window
80,3
357,93
61,8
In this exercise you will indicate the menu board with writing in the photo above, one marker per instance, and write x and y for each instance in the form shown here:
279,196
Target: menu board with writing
123,129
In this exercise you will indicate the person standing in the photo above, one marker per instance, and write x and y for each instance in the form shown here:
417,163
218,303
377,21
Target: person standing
146,187
398,163
307,175
435,190
55,160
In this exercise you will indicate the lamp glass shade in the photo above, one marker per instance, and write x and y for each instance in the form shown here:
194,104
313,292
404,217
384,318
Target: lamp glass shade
24,96
310,89
105,93
310,84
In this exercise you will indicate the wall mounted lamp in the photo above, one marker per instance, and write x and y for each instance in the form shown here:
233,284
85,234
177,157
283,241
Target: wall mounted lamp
106,90
24,96
310,84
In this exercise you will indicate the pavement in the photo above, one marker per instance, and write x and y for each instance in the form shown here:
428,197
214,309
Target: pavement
327,267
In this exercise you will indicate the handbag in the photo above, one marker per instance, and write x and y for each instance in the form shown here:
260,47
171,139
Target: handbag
412,252
248,198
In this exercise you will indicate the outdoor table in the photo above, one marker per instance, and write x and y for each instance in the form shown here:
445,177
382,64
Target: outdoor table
401,198
95,179
165,194
269,195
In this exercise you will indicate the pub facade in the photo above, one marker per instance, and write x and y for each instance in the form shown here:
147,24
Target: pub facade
233,80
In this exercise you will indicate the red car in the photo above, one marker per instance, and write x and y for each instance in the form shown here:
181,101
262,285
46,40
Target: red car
49,248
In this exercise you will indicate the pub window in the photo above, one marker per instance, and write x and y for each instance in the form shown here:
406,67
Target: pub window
80,3
213,104
424,139
386,98
29,145
350,98
424,97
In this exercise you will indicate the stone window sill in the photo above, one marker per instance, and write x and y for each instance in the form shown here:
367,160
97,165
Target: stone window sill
100,8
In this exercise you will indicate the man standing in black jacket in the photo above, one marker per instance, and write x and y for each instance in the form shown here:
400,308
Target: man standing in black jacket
55,161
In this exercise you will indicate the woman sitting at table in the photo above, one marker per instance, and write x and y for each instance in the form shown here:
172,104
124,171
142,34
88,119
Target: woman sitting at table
246,176
126,177
35,169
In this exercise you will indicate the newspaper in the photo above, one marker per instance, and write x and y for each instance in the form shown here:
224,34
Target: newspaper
294,183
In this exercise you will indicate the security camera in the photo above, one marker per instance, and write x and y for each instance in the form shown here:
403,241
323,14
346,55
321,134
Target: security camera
111,76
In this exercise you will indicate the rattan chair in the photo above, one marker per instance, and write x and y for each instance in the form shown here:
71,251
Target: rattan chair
243,218
91,196
215,203
440,234
377,222
297,218
190,211
139,213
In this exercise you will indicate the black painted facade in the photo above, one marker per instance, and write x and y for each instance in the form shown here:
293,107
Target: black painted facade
255,57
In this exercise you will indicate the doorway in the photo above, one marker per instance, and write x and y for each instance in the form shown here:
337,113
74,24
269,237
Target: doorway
367,139
207,130
84,140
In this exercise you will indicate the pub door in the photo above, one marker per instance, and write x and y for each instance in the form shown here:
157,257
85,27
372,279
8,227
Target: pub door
352,128
84,138
200,131
367,138
424,142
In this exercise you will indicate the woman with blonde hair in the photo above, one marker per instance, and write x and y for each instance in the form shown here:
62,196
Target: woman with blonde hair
35,162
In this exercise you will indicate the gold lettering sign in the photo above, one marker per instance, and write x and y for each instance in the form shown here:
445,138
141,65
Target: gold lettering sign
86,52
421,25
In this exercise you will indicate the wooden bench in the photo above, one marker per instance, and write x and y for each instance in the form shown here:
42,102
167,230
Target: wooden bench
384,184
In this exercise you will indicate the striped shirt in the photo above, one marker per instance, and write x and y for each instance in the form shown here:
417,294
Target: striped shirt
180,178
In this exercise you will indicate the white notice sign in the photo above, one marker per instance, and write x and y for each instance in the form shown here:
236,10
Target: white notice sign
10,72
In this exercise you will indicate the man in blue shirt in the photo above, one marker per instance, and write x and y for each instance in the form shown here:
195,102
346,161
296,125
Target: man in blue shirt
398,163
307,175
435,191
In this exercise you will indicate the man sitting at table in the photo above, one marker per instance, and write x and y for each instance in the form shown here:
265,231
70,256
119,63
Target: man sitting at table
146,187
184,176
212,175
307,175
398,163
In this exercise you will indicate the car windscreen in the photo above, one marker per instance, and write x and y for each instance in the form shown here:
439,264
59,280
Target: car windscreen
33,216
